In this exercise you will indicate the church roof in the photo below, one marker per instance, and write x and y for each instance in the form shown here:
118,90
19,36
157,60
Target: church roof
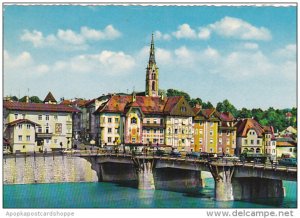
49,98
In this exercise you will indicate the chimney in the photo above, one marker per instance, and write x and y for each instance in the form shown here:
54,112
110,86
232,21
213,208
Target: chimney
27,99
133,97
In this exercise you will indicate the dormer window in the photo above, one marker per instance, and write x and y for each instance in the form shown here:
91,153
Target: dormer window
133,120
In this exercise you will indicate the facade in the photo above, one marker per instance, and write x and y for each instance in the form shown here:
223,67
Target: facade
226,133
286,147
251,137
206,131
269,141
37,126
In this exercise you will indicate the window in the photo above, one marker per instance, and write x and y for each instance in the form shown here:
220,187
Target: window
16,116
210,132
47,117
161,141
245,142
183,109
220,141
133,140
227,142
291,149
169,131
109,130
133,120
220,133
153,86
148,121
116,130
109,120
154,130
23,115
176,131
252,142
55,117
20,126
258,142
233,142
273,151
200,141
55,141
20,138
39,129
155,121
211,124
148,131
211,150
200,132
228,133
201,123
161,121
155,140
28,126
161,131
109,139
183,141
47,141
116,120
211,141
40,117
227,150
47,129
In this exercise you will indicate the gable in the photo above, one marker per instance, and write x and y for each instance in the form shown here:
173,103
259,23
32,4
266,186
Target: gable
182,108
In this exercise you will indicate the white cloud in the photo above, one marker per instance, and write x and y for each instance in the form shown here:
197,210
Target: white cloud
23,64
69,39
237,28
288,52
204,33
106,62
185,31
160,36
251,46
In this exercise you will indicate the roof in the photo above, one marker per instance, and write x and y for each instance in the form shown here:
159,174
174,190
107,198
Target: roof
269,130
225,116
16,122
147,104
23,106
49,98
243,126
286,144
77,102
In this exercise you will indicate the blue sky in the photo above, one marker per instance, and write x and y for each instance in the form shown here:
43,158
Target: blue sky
244,54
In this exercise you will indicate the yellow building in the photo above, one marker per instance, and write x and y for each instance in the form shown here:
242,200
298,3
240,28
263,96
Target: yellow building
206,130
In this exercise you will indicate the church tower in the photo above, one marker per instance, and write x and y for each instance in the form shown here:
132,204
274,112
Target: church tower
152,73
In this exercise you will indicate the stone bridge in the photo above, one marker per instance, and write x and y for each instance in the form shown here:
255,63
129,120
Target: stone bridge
233,180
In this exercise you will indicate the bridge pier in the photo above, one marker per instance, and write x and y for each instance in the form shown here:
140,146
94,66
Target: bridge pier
144,172
223,185
257,188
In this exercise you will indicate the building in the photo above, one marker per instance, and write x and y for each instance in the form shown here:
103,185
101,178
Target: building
146,118
226,133
206,130
38,126
269,141
252,137
286,147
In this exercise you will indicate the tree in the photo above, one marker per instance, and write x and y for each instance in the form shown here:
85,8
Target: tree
174,92
226,106
14,98
207,105
244,113
195,101
23,99
35,99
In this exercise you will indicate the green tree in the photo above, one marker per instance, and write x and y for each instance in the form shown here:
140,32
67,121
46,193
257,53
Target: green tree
207,105
226,106
14,98
195,101
244,113
35,99
174,92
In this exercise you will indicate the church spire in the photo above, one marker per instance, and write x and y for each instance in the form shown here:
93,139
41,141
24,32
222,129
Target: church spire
152,73
152,51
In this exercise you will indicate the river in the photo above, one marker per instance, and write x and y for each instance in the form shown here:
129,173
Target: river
111,195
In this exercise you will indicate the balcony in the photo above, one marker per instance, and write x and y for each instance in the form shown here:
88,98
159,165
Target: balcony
153,125
43,135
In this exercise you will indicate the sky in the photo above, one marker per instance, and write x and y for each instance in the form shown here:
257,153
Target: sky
245,54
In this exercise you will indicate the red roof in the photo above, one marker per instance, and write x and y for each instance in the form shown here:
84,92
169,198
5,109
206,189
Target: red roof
225,116
23,106
77,102
243,126
147,104
22,121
